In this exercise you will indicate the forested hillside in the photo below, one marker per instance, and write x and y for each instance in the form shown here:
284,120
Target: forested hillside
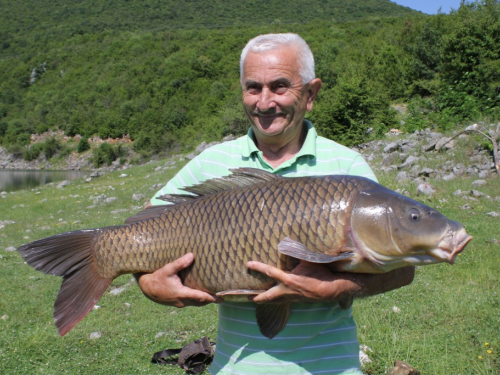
23,22
166,73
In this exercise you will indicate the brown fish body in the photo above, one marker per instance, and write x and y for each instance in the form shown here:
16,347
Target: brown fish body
350,223
227,229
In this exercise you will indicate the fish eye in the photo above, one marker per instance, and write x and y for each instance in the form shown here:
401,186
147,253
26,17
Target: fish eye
414,214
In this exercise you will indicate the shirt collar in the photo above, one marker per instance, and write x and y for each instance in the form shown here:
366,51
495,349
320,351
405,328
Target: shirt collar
308,148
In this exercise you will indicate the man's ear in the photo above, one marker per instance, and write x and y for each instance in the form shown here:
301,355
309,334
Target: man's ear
312,92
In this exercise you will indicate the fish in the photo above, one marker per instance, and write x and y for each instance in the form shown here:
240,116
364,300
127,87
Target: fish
349,223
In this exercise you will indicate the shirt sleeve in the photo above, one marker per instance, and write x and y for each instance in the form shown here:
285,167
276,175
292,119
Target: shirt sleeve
360,167
190,174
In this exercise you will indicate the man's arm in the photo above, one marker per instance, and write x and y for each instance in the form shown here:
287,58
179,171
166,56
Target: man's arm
310,282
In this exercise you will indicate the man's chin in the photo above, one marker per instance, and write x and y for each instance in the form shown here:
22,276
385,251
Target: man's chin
269,131
268,122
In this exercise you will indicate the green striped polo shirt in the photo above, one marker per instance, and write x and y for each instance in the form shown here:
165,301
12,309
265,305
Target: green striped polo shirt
319,338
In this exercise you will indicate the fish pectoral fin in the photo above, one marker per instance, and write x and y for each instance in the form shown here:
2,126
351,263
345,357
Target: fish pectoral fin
272,318
298,250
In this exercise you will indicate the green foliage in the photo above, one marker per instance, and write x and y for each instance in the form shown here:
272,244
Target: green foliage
347,112
83,145
32,152
471,52
106,154
51,146
170,87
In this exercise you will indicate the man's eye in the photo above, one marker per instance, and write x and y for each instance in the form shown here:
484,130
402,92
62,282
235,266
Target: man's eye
280,89
253,89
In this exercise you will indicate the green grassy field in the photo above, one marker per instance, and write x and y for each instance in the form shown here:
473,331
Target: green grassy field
448,320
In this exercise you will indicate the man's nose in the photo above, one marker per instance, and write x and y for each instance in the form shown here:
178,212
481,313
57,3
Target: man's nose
266,100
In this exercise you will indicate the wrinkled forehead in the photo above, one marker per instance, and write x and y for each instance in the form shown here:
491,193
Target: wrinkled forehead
271,65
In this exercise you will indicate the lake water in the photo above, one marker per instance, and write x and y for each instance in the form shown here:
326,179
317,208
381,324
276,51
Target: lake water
17,179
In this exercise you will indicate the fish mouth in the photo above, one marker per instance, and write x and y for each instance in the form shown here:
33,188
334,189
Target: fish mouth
452,245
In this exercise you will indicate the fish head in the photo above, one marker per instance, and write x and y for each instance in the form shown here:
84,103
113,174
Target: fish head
392,231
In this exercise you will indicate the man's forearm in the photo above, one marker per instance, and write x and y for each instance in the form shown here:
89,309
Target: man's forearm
365,285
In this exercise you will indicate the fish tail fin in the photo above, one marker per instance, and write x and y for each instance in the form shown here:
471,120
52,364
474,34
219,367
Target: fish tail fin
69,255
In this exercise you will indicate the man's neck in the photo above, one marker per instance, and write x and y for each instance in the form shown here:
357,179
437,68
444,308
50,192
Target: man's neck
276,153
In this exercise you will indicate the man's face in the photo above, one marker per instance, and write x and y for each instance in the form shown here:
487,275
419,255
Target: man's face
274,98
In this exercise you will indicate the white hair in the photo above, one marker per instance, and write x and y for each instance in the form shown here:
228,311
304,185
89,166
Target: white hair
269,42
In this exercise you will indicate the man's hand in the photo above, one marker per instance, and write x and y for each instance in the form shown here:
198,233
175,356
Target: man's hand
165,287
312,282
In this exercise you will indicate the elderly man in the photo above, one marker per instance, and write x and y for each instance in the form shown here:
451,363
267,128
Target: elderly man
279,87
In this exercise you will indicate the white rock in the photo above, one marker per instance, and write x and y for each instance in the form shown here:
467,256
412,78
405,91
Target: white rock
396,309
425,189
95,335
63,184
160,334
137,197
363,357
117,291
478,183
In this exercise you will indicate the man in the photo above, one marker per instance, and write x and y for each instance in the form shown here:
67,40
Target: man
279,87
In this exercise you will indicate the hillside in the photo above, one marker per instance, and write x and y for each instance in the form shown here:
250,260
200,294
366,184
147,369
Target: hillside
22,23
106,69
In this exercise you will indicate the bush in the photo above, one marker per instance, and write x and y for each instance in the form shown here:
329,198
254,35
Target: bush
83,145
106,153
50,147
32,152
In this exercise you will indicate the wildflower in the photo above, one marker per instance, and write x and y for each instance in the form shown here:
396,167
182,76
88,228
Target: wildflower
489,351
486,343
480,357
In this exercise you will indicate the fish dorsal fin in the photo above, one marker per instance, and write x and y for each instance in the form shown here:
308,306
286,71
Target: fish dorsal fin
148,213
239,178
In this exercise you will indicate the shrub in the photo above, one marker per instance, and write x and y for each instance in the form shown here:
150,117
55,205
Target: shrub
50,147
32,152
83,145
106,153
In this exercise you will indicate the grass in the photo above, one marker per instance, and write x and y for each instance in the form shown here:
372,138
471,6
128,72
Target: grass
449,317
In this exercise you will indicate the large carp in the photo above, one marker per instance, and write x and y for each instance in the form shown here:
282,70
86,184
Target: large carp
351,223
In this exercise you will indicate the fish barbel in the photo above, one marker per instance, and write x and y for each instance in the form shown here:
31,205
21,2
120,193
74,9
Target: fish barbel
350,223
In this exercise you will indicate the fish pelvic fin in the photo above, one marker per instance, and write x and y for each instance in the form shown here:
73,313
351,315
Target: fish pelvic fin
298,250
272,318
69,255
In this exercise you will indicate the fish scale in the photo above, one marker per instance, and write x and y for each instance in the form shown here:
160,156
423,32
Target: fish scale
349,223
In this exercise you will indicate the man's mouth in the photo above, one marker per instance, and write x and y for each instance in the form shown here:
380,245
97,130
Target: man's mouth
267,114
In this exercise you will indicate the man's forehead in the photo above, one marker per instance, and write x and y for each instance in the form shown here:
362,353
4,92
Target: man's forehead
271,65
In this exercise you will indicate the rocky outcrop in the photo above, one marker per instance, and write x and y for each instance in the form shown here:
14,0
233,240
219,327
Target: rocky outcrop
416,155
74,161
